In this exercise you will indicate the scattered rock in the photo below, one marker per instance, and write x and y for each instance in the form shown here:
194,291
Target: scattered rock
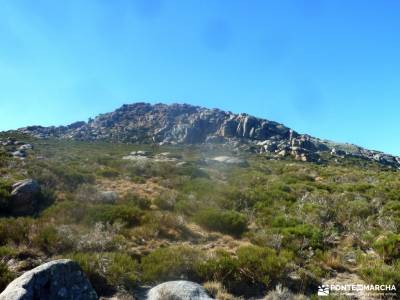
140,153
109,197
178,290
25,196
169,155
136,158
25,147
59,280
19,154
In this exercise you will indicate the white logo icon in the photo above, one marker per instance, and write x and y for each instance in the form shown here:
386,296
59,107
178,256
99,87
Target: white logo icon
323,290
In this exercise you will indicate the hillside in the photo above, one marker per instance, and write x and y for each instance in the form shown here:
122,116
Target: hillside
152,193
186,124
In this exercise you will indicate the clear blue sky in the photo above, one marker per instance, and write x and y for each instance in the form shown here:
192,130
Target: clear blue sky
327,68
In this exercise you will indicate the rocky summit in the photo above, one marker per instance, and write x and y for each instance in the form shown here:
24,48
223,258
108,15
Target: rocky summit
186,124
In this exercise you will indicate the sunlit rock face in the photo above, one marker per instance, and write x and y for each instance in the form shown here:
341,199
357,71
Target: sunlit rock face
56,280
187,124
178,290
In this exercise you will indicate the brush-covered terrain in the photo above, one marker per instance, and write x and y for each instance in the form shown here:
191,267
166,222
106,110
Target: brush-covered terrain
242,224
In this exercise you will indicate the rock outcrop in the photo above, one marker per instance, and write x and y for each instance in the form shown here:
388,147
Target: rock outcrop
25,197
178,290
17,149
57,280
187,124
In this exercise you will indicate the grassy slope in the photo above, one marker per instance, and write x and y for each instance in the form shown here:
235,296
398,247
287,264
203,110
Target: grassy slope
247,227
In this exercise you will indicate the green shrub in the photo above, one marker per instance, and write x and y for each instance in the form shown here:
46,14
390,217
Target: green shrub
166,201
221,267
15,230
6,276
51,241
71,177
135,200
66,212
108,173
111,213
170,263
252,266
388,246
192,171
4,158
108,271
375,271
5,190
262,264
295,234
7,251
123,271
295,237
230,222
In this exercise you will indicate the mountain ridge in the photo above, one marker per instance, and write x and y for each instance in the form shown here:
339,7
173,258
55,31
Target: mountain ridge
188,124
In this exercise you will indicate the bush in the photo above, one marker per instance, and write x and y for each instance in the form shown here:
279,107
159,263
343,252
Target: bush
302,236
7,252
221,267
166,201
295,235
171,263
51,241
107,271
5,190
192,171
388,246
108,173
5,276
109,213
141,202
15,230
71,177
229,222
377,272
253,266
66,212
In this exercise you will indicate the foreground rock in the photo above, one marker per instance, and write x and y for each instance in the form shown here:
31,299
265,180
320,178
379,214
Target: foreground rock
25,196
59,280
178,290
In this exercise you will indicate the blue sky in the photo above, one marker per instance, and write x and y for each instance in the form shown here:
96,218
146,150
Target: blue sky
327,68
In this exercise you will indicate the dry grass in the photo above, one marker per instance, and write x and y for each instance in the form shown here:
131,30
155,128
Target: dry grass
216,290
150,189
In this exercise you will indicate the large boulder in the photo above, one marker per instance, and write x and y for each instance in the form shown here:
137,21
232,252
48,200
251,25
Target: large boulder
178,290
25,196
109,197
56,280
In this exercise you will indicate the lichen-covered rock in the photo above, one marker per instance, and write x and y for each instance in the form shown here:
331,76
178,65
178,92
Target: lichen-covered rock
25,196
178,290
109,197
57,280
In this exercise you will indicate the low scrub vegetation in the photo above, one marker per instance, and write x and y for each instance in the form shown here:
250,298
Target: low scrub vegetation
230,222
244,228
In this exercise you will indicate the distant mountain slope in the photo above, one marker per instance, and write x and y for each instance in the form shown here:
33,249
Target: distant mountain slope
187,124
